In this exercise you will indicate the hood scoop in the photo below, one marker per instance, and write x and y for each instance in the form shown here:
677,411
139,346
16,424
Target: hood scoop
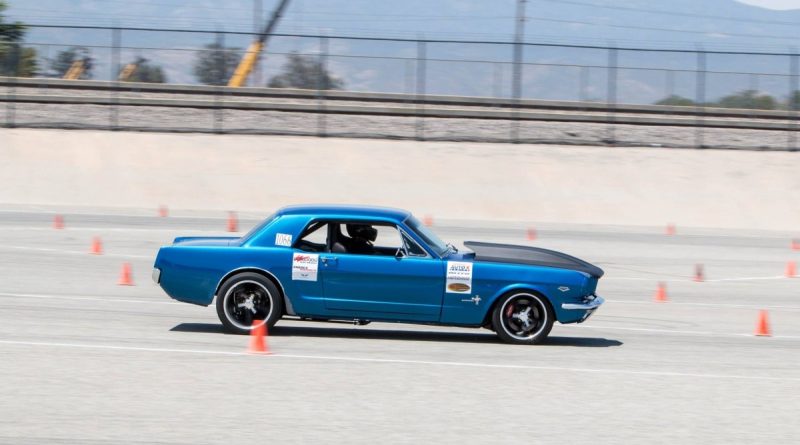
535,256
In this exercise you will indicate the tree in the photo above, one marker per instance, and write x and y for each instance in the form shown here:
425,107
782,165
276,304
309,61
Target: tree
794,101
64,60
215,64
146,72
305,72
675,100
748,99
15,60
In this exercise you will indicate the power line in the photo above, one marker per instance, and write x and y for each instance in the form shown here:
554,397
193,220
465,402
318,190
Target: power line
651,28
674,13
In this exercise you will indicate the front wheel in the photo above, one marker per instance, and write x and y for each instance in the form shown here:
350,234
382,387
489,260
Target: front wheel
523,318
248,300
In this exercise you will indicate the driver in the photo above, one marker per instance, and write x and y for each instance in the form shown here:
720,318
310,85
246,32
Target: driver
361,238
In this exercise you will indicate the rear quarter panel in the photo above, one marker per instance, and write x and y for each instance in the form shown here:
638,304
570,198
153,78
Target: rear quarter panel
191,273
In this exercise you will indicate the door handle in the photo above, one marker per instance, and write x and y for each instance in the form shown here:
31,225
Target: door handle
328,259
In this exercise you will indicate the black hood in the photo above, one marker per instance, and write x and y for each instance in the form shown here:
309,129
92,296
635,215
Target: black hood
506,253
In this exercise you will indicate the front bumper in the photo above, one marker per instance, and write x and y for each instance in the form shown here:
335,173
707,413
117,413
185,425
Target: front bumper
589,306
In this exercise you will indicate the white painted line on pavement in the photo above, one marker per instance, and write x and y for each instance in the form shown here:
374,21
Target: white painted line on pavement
113,229
74,252
720,305
572,326
404,361
674,331
153,215
66,297
689,279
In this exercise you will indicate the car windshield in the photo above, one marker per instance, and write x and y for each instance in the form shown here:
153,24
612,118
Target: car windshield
430,238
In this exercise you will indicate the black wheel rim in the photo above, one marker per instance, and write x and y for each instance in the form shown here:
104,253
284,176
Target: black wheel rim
523,316
247,302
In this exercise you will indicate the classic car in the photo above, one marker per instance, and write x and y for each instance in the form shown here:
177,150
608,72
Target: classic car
363,264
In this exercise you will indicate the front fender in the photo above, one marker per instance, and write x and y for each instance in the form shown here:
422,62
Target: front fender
553,296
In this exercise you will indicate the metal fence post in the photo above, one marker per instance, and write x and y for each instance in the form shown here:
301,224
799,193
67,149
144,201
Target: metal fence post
583,84
222,60
11,92
516,78
420,96
669,83
700,102
409,77
794,98
321,116
611,96
116,42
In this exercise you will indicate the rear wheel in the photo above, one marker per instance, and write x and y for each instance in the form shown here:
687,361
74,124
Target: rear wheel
247,300
523,318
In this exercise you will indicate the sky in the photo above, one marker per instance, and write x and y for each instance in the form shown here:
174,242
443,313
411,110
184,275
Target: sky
774,4
453,68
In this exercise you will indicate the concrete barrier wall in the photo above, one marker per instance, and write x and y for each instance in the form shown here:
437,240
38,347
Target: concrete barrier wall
552,184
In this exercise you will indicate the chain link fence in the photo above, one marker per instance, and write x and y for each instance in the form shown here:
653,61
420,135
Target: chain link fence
694,81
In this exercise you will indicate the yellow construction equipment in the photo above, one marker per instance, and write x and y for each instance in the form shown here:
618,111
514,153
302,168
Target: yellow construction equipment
250,58
76,70
127,72
246,65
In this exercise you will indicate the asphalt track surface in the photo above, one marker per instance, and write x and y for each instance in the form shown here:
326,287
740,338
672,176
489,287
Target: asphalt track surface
86,361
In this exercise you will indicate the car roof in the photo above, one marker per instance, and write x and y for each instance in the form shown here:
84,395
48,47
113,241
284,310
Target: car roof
345,210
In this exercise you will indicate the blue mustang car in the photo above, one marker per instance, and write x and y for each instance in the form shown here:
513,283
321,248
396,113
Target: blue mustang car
366,264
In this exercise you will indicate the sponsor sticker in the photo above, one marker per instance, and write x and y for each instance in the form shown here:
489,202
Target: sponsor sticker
459,277
283,239
305,266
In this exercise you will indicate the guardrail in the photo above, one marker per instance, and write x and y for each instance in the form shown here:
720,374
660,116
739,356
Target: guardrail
420,108
354,96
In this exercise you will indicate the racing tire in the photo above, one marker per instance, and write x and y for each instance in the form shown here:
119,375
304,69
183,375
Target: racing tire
523,318
248,300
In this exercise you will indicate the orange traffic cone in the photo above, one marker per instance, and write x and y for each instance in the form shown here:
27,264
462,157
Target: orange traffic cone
97,246
427,220
661,293
698,273
670,229
531,234
125,275
233,224
163,212
58,222
762,327
258,335
791,269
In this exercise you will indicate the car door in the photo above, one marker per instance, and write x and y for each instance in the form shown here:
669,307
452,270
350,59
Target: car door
388,281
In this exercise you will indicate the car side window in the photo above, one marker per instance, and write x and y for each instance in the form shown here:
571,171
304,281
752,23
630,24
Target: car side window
364,238
314,238
388,241
412,248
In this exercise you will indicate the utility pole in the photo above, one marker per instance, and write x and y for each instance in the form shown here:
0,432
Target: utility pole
516,86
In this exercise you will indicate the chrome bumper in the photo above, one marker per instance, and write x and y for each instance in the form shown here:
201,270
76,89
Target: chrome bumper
589,306
156,275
